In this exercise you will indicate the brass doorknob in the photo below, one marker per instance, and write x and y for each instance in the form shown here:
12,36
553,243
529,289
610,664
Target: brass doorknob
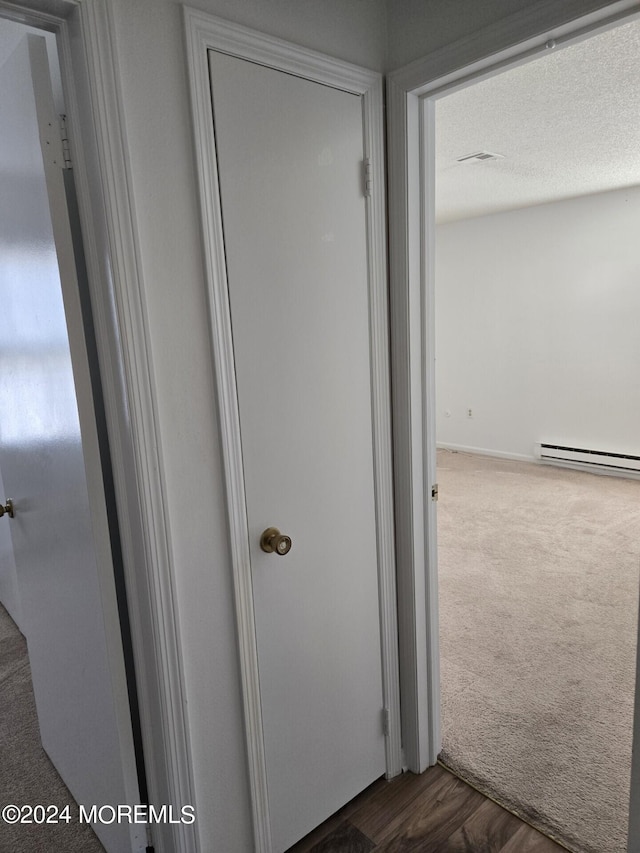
273,542
7,509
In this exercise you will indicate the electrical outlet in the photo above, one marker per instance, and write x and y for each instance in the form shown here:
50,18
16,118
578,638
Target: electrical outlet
469,413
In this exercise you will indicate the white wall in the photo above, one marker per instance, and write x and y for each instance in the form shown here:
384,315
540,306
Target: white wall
537,326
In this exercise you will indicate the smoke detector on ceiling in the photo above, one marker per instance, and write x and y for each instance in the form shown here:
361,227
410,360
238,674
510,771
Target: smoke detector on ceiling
479,157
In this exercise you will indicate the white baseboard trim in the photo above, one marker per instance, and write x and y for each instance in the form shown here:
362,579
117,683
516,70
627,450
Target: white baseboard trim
483,451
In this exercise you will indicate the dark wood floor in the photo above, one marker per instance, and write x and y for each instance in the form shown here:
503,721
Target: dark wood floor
432,813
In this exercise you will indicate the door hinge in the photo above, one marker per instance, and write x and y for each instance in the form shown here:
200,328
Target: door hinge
64,136
386,722
434,492
368,177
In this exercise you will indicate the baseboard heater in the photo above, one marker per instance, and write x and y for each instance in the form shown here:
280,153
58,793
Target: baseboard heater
584,457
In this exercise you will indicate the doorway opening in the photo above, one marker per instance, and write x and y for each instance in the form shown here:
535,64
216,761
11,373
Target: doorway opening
60,545
412,93
413,262
535,292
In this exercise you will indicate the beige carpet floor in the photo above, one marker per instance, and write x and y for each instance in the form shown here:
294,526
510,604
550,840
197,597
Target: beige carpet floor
27,777
539,571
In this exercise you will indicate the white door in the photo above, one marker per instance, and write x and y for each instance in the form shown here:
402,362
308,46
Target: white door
290,155
9,593
50,465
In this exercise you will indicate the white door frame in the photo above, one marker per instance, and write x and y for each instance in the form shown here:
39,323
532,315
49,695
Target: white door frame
103,183
204,33
411,95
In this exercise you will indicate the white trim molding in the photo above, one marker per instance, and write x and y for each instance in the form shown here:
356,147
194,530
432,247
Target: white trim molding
482,451
149,570
205,32
411,93
103,182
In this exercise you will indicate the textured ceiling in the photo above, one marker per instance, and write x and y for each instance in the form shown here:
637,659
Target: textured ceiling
567,124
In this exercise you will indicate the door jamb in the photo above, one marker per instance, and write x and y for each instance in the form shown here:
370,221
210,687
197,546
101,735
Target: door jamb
205,32
411,93
104,189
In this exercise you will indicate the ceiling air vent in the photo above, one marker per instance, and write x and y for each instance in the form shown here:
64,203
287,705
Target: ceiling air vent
479,157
